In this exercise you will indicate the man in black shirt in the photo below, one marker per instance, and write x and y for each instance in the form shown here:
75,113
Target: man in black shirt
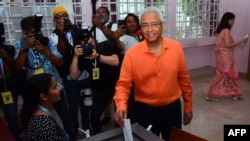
102,66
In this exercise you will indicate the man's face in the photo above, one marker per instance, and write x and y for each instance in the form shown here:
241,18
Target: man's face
152,26
59,20
29,33
102,14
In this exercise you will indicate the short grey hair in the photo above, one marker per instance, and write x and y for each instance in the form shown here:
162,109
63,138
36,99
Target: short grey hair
152,9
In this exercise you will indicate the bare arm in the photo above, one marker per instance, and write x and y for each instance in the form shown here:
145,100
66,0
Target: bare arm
46,52
111,60
74,70
117,34
106,31
228,40
236,43
21,58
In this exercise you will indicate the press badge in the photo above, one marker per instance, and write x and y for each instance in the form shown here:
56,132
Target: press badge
96,73
38,71
7,98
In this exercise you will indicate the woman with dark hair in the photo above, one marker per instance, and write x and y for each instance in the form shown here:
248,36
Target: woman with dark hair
225,81
37,118
132,36
132,33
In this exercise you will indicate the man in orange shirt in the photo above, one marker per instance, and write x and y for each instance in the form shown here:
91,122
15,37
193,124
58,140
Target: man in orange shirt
157,69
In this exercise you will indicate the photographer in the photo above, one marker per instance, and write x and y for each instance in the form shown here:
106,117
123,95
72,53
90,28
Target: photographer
104,32
11,86
102,66
38,58
66,35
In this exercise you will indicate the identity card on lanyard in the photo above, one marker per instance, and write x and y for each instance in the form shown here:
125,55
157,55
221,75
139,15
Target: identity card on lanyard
7,95
95,71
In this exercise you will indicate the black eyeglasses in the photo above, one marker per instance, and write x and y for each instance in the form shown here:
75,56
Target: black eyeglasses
152,25
62,16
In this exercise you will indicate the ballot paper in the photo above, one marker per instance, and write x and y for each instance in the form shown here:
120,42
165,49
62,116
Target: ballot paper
244,44
127,131
246,36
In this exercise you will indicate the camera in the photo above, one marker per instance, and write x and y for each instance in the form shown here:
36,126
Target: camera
121,23
68,26
37,27
87,48
7,48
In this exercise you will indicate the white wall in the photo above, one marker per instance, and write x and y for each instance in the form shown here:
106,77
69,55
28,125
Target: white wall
88,10
241,27
200,56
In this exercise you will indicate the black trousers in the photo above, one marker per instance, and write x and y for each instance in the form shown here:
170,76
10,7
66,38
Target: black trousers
162,118
102,98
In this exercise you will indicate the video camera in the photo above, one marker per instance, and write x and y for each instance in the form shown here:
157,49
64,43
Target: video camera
37,27
7,48
87,48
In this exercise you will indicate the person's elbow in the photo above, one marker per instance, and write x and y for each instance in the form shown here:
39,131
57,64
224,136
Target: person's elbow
60,64
116,62
19,67
73,76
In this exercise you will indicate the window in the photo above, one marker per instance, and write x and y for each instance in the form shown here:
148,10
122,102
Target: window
188,19
119,9
12,11
197,18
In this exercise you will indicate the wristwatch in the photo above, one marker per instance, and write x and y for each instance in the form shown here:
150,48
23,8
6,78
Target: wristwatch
98,57
23,50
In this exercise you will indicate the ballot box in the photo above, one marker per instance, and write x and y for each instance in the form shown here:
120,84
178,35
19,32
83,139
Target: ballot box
181,135
139,134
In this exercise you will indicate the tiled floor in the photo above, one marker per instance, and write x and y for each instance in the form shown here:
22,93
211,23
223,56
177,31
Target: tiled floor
210,117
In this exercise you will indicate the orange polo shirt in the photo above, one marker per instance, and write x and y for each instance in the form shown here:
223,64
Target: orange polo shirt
158,80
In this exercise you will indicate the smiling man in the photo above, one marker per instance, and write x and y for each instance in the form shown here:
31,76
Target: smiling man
157,69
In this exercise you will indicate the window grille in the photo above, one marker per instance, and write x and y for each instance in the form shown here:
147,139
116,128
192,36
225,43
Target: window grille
197,18
194,18
12,11
119,9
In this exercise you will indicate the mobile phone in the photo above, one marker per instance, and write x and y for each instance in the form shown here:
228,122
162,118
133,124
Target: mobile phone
121,23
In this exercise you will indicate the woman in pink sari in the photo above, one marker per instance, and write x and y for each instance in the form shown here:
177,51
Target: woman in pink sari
225,81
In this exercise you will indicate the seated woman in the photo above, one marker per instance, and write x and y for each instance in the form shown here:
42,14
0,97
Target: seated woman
37,119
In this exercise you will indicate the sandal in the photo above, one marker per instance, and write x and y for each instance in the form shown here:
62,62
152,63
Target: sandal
236,98
212,99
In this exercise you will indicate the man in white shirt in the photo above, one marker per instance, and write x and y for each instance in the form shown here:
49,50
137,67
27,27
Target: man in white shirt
103,28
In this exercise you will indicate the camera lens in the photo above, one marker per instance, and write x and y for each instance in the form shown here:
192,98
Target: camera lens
87,50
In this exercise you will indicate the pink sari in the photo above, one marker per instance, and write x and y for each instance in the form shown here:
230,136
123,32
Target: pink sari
226,78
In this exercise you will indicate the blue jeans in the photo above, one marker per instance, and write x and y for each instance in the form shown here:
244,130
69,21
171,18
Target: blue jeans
162,118
72,89
11,112
62,110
